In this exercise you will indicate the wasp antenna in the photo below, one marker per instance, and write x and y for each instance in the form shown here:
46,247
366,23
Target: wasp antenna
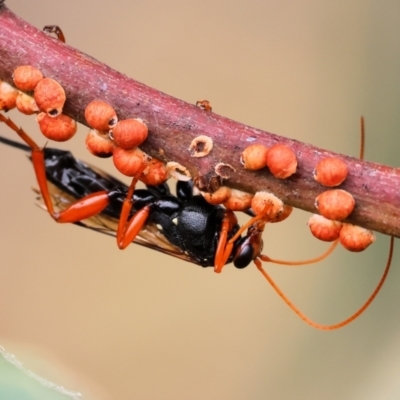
347,320
362,138
20,132
330,249
15,144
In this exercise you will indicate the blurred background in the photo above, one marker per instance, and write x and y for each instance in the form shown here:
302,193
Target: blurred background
138,324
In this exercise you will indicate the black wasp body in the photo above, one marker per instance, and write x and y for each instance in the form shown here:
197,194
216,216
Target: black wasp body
187,221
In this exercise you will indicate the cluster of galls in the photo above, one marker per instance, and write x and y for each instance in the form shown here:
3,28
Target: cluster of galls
335,205
281,161
121,140
38,95
108,137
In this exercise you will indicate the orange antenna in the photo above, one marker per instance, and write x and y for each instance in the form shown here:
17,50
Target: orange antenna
347,320
330,249
362,138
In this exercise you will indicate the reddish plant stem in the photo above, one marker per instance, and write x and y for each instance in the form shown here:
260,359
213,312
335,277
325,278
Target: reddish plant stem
173,124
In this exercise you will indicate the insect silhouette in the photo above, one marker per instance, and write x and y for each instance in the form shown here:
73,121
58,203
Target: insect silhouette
182,225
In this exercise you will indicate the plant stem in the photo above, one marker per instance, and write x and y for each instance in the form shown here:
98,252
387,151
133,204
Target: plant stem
173,124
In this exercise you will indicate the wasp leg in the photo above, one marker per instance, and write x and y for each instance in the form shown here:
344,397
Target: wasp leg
224,247
129,228
50,29
81,209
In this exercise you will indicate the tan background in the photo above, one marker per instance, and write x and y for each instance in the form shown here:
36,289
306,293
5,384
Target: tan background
137,324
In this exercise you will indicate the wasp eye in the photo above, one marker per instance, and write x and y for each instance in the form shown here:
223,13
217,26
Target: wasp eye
244,255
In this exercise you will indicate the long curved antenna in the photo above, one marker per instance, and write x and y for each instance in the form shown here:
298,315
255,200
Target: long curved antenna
330,249
347,320
362,138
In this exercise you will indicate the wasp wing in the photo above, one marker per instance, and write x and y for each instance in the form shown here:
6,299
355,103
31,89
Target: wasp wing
150,236
67,177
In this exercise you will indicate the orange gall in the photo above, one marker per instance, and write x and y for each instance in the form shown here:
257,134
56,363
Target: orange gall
155,174
281,161
8,96
221,195
238,200
287,210
26,104
330,171
27,77
354,238
130,133
60,128
129,162
99,144
267,204
254,157
100,115
323,228
335,204
49,96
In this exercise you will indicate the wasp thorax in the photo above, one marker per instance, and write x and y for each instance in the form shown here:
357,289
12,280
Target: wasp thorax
49,96
27,77
100,115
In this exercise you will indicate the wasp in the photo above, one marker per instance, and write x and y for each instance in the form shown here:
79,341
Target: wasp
183,225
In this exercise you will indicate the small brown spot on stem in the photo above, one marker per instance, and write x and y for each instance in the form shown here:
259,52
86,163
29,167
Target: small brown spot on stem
201,146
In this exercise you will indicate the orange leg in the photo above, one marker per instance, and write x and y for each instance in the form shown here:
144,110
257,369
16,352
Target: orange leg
224,247
129,228
87,206
82,208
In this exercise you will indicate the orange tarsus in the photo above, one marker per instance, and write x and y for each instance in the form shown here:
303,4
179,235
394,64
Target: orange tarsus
347,320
